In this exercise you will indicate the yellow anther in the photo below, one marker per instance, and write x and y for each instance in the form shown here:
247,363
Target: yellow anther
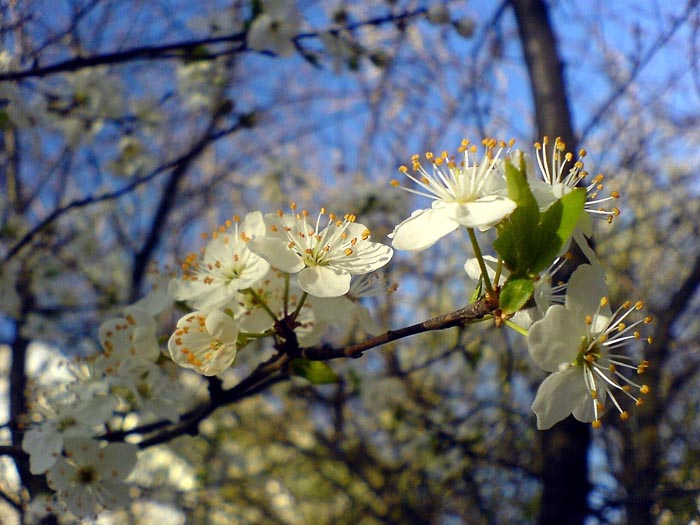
645,389
624,416
596,423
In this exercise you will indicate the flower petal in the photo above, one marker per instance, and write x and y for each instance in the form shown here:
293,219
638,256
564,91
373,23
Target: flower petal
583,294
368,257
558,395
422,229
324,281
556,339
484,212
276,252
222,327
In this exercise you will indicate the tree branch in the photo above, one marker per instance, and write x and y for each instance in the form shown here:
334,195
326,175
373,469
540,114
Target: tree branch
276,370
112,195
183,49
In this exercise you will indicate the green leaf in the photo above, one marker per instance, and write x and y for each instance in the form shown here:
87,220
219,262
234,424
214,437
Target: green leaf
557,224
528,241
515,293
316,372
477,291
519,189
518,241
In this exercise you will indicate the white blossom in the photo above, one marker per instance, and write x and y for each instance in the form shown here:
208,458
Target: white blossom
466,193
349,306
274,29
578,343
224,267
324,257
90,477
204,342
561,174
129,343
65,416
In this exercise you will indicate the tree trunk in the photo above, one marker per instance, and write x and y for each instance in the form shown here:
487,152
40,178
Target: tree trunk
564,448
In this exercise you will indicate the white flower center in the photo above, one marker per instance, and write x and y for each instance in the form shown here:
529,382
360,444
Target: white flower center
450,182
322,246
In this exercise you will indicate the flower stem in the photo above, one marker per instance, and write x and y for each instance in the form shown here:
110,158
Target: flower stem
499,269
519,329
300,305
259,300
286,294
482,265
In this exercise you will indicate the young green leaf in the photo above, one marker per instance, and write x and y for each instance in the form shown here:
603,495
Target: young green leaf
515,293
316,372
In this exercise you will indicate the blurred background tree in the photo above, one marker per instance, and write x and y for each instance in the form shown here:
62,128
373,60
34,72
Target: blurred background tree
131,127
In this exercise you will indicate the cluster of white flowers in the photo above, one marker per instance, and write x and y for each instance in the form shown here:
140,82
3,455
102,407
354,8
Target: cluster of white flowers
256,272
571,330
65,438
253,275
287,275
